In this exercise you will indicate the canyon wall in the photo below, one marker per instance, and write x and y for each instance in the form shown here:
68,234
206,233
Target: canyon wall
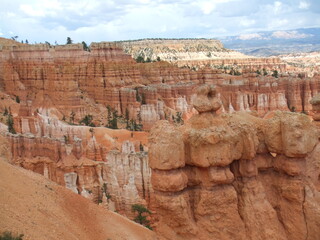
104,165
78,82
235,176
222,175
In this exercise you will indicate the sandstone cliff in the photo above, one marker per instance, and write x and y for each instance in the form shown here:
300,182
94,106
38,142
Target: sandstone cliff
69,80
235,176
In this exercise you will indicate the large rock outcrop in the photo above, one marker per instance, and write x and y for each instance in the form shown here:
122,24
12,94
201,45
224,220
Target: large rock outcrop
235,176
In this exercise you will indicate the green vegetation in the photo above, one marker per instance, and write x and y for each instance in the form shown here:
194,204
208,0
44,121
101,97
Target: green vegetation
87,120
9,236
275,74
105,190
66,139
140,97
134,126
142,213
72,115
69,40
265,73
143,98
178,118
17,99
141,147
85,46
112,118
10,123
234,72
140,59
6,112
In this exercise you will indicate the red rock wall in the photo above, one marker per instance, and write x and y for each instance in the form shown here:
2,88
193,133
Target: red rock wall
236,176
70,79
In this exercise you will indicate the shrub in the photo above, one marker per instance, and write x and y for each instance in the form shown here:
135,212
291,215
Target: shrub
72,115
275,74
87,120
9,236
112,118
141,217
17,99
140,59
10,123
178,119
134,126
6,112
265,73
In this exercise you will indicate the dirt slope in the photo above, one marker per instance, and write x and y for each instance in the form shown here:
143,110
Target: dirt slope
42,210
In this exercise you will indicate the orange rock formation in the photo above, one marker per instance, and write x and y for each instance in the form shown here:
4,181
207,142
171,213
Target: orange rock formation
71,80
40,209
235,176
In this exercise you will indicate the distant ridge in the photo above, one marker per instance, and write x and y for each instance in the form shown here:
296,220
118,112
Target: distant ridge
268,43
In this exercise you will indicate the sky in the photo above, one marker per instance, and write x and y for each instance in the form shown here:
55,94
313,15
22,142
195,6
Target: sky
109,20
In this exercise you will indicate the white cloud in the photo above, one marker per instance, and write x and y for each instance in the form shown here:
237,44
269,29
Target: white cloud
304,5
30,11
207,7
277,7
106,20
289,34
247,22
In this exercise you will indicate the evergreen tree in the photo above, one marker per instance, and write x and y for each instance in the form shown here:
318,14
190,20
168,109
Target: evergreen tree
275,74
141,217
10,124
140,59
69,40
143,98
72,115
87,120
85,46
5,113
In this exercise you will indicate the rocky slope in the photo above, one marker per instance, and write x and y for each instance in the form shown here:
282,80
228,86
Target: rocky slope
236,176
196,53
40,209
302,62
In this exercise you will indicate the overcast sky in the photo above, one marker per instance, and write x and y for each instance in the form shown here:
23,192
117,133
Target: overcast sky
108,20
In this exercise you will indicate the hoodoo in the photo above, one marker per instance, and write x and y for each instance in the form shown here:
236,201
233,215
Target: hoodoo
236,176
